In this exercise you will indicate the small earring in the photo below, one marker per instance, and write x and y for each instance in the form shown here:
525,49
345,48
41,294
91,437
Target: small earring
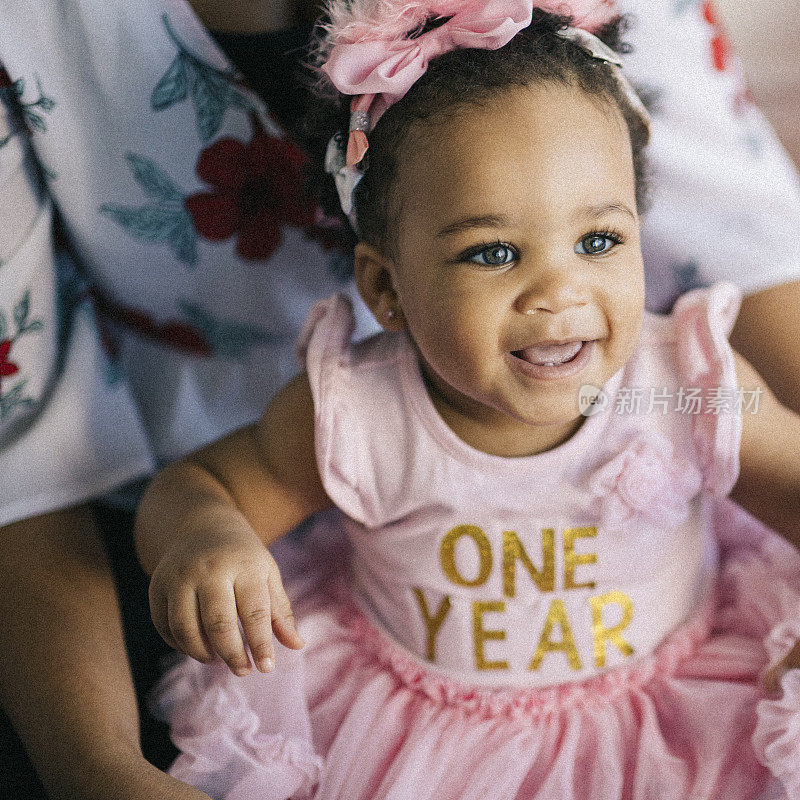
390,313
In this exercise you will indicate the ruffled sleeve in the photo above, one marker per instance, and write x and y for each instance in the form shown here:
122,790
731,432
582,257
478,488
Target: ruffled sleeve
703,320
324,351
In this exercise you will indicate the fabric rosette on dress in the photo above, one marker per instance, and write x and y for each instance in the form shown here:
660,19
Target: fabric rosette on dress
645,481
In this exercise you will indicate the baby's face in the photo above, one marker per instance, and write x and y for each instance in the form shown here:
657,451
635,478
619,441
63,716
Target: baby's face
518,227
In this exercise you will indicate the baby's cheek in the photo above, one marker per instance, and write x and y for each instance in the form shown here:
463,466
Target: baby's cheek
472,349
460,363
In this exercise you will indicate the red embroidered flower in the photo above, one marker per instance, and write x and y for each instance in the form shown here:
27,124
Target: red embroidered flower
7,367
258,188
720,45
5,78
174,333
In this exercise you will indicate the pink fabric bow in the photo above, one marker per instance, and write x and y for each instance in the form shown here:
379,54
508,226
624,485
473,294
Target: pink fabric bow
378,72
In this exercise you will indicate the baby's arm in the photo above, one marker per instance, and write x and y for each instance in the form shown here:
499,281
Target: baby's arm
203,528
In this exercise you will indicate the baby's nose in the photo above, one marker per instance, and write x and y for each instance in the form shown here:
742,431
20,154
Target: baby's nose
552,294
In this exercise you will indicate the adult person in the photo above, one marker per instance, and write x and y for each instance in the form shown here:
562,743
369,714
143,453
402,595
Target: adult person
157,255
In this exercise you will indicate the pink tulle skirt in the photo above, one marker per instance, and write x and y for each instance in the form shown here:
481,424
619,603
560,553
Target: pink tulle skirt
355,717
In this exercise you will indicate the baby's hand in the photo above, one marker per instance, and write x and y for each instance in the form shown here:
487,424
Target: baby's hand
209,581
772,679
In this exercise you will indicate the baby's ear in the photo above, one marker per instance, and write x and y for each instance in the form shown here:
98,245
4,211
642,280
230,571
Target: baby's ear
374,279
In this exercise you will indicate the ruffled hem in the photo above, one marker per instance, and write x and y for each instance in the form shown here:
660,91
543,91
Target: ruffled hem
372,644
225,749
776,739
777,735
762,580
389,726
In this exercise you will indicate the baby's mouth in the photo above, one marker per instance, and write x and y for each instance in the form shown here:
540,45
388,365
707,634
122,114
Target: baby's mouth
549,355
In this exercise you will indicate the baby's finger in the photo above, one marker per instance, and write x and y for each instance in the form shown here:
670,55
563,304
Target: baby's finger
253,603
283,622
159,615
221,625
792,659
772,678
183,614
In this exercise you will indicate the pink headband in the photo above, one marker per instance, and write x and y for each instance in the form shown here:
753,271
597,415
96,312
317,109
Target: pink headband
371,57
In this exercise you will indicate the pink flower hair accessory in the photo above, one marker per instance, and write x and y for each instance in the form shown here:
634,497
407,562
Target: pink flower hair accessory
645,481
372,54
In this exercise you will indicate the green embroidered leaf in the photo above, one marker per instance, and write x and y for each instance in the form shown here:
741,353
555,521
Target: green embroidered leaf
44,102
113,372
229,340
33,327
155,182
195,315
239,100
153,223
13,399
19,86
168,223
3,327
234,341
211,88
210,93
681,6
72,288
754,143
21,311
172,88
183,240
36,120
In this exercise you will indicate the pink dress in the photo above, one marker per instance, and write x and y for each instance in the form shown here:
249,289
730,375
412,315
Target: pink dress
589,623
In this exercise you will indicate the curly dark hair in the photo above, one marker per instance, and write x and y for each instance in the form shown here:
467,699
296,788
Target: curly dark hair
458,78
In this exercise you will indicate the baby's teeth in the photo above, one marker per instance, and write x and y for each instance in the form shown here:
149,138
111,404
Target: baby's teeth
550,354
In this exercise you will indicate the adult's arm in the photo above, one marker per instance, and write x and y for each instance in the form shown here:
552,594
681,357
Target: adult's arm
767,334
64,676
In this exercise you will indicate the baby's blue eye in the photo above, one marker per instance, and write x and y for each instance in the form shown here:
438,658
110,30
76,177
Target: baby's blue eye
597,243
495,255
